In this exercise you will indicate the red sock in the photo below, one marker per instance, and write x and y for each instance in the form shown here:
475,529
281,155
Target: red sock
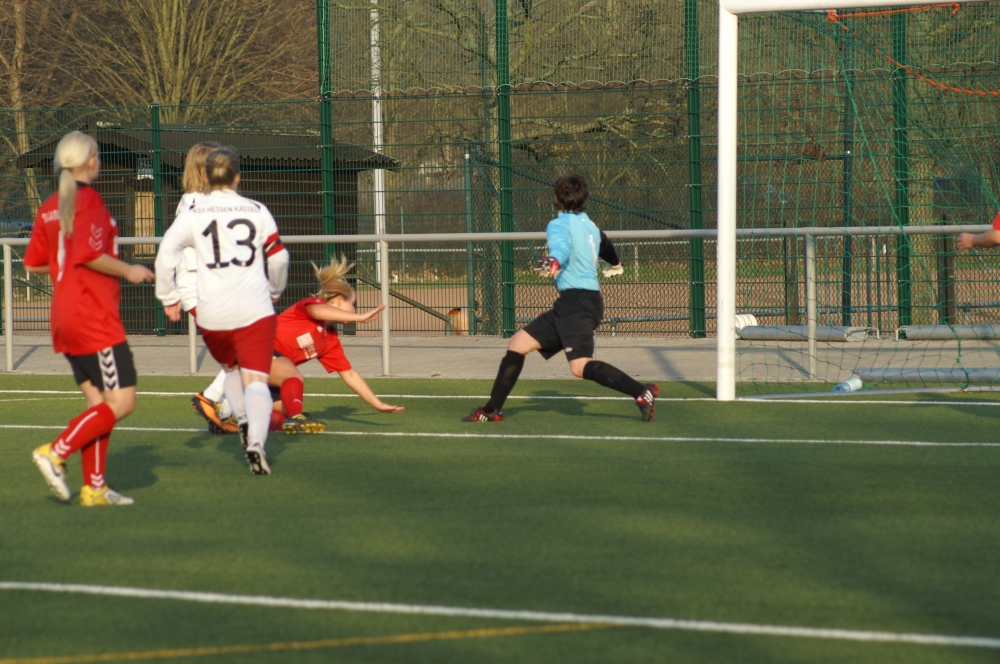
94,458
291,396
84,429
277,419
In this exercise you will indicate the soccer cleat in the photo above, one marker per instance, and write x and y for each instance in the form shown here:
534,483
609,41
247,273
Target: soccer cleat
244,430
230,425
209,410
53,469
647,401
257,459
482,415
90,497
302,422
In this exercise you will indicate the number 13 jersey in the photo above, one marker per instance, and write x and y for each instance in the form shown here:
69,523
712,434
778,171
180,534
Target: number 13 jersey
242,264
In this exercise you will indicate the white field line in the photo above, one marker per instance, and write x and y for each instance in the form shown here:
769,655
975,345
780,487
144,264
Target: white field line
883,402
505,614
533,436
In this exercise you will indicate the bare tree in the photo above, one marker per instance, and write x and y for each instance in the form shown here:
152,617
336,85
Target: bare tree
182,53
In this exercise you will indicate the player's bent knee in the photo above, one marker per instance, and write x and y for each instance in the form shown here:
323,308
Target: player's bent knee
121,402
251,376
578,365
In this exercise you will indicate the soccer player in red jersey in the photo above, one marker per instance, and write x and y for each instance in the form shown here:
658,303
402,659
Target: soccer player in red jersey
75,240
242,270
305,332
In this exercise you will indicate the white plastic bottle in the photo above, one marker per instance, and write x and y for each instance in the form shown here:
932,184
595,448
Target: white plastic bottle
852,385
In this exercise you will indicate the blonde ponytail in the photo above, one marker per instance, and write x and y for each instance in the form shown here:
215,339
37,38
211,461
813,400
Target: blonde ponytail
332,282
73,152
67,201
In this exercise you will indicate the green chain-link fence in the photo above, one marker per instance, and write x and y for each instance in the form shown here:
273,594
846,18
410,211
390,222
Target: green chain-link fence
481,114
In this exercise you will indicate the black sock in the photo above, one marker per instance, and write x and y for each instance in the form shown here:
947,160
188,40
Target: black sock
510,369
604,374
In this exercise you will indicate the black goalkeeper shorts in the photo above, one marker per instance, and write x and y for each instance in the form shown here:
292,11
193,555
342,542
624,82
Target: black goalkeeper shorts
569,325
109,369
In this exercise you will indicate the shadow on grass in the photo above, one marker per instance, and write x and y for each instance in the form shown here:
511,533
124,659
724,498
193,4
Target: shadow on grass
563,406
134,467
335,416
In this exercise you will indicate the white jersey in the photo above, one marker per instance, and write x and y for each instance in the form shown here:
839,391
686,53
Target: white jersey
241,263
187,269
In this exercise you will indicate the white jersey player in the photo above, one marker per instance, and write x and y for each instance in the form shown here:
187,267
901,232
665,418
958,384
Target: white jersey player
242,268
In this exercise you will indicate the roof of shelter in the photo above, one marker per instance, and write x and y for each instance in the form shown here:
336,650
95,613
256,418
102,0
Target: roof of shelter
254,148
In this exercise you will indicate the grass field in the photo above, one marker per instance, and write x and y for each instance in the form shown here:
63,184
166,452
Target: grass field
798,516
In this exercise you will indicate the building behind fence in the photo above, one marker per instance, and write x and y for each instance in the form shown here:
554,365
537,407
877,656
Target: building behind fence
851,120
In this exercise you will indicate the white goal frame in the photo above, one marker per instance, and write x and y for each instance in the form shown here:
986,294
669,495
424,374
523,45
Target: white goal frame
729,12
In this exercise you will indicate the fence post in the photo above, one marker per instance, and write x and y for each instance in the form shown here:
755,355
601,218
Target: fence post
470,271
945,280
154,124
506,163
326,126
848,185
383,247
901,169
811,302
8,308
698,327
192,345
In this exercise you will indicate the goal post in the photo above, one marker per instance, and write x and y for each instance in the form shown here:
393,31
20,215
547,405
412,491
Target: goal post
727,155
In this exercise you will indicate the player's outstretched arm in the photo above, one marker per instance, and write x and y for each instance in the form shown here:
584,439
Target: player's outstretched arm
325,312
354,381
608,254
990,238
134,274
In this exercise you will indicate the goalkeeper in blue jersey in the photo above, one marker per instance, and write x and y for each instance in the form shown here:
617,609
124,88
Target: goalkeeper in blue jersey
575,245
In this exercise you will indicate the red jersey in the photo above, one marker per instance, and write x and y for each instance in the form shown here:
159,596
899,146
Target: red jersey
301,338
996,222
84,316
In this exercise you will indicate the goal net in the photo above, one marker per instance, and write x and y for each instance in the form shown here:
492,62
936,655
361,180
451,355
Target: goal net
878,128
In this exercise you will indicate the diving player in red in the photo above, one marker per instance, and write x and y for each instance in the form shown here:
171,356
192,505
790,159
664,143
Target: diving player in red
306,332
75,240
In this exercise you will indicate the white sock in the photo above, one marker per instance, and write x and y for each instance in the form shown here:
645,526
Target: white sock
217,388
234,395
225,410
259,405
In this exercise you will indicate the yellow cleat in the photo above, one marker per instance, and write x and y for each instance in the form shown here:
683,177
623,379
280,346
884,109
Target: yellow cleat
53,469
302,422
90,497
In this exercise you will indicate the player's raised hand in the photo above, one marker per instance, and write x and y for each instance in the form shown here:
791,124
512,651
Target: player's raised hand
138,274
548,266
610,271
173,312
371,314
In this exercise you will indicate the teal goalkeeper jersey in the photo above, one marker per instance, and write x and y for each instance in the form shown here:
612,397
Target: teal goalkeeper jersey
574,240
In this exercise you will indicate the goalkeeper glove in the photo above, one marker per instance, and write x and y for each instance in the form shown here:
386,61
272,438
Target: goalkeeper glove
610,271
548,266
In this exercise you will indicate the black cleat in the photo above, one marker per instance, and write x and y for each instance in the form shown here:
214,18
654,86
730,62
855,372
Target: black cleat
482,415
244,432
647,401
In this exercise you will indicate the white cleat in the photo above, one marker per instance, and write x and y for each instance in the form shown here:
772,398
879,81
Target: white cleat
90,497
257,459
53,469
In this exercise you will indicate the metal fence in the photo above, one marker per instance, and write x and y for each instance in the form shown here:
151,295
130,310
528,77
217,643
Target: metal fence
802,287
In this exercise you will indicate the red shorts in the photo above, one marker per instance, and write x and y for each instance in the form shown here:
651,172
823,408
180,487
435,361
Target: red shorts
250,347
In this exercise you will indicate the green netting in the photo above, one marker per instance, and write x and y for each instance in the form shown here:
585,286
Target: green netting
870,118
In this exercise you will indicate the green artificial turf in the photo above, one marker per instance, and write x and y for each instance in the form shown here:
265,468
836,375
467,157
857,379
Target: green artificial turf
861,537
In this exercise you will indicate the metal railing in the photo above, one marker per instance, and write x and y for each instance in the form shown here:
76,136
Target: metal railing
383,241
